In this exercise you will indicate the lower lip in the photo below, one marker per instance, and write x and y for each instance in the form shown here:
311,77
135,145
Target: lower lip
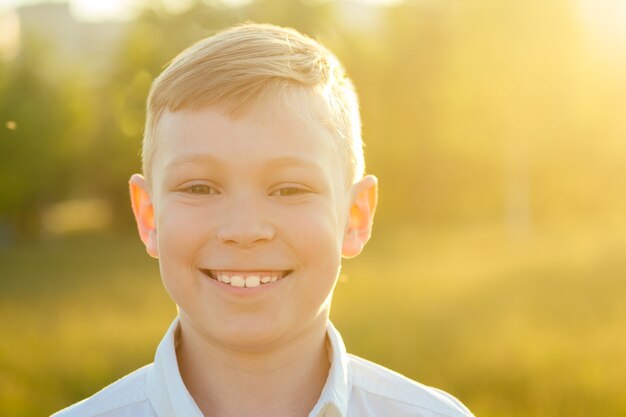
244,291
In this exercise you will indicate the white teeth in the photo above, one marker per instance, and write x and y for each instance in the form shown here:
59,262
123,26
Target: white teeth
253,281
237,281
246,279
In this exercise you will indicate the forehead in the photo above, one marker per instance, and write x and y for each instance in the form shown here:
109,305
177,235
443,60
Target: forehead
274,132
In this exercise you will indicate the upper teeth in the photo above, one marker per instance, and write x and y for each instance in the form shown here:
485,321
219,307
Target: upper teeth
247,279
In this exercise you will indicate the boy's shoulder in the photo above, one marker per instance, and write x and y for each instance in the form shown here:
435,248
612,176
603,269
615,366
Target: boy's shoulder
126,396
396,394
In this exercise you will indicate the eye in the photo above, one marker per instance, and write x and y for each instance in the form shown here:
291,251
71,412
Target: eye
201,189
290,191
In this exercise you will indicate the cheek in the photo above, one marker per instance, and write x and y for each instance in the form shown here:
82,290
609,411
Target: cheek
184,223
317,235
181,236
177,231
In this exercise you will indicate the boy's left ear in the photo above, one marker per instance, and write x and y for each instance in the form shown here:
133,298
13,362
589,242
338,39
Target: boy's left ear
361,217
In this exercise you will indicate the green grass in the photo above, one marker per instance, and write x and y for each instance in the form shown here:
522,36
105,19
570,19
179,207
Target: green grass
532,328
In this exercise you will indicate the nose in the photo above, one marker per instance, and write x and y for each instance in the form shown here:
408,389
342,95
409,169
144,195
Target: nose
243,224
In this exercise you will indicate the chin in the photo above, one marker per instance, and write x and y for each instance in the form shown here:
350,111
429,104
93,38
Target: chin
250,336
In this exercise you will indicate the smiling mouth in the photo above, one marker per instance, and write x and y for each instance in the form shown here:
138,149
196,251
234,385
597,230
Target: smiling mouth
246,279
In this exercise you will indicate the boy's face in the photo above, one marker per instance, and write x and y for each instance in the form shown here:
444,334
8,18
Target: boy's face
261,196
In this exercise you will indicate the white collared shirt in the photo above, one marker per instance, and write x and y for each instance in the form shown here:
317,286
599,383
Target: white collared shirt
354,388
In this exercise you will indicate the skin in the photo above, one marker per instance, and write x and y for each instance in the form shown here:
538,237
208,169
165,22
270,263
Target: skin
265,191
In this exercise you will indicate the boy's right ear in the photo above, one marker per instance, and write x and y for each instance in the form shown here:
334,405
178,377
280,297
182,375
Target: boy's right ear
143,209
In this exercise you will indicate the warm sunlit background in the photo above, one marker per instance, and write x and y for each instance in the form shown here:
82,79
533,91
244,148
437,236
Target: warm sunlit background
497,128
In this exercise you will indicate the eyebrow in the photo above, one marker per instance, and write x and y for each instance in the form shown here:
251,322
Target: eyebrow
209,159
192,159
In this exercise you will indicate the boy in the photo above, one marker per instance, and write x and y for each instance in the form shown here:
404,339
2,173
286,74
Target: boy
253,190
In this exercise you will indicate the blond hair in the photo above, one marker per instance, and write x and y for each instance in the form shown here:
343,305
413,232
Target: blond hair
239,66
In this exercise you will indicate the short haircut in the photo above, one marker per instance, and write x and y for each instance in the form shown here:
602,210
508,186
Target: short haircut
238,67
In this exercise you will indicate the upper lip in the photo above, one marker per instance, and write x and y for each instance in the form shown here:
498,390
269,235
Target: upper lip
261,271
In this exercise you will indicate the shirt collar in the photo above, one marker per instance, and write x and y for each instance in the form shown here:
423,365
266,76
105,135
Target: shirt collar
169,396
165,387
333,401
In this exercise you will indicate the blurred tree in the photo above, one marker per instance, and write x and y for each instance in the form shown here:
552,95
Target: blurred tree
32,154
472,112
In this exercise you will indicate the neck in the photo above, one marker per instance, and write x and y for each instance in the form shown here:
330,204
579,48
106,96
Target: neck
286,381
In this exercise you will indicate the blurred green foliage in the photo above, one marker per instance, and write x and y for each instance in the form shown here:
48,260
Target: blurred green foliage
533,330
496,129
473,111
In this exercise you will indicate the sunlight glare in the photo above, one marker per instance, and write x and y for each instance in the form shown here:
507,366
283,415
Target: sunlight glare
95,10
375,3
177,6
9,35
236,3
605,18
